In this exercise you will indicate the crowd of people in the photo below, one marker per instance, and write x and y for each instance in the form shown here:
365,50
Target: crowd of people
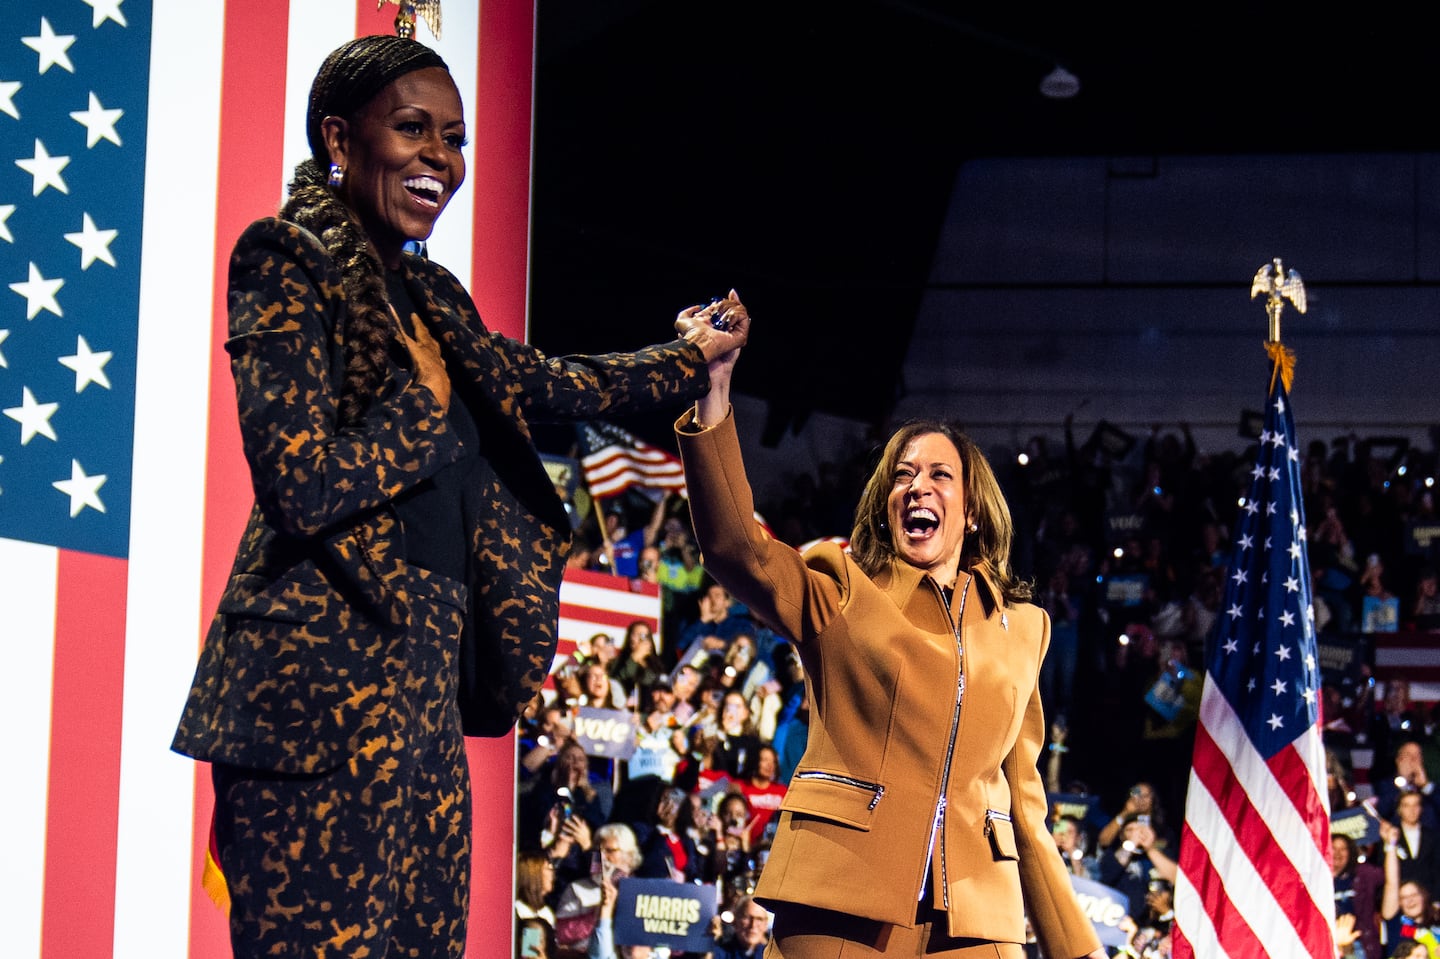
1128,552
383,606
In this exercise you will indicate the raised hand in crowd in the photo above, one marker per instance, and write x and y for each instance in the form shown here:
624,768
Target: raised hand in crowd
1139,801
573,833
608,895
1410,766
1346,935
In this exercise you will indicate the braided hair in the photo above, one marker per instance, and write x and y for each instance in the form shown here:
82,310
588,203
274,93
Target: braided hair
353,74
349,79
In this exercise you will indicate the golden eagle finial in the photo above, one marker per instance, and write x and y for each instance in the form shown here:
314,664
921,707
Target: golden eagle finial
1272,280
427,10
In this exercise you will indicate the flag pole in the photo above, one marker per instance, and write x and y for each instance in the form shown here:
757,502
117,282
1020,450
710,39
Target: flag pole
1254,873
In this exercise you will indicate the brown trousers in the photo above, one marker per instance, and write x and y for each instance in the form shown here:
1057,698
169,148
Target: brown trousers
805,933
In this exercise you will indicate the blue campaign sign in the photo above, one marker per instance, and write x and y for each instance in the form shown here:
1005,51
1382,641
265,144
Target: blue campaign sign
1075,805
1359,824
660,912
1104,907
606,732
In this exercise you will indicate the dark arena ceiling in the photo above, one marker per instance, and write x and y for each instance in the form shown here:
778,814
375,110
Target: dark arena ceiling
804,152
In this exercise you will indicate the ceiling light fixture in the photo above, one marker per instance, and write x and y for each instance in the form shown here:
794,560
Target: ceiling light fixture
1060,84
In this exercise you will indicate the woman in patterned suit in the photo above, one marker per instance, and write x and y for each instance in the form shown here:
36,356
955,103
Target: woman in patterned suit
914,824
396,585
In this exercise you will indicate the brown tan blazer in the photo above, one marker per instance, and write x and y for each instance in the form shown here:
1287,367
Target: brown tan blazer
883,661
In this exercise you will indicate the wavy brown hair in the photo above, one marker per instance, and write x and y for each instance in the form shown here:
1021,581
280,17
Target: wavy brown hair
985,550
530,866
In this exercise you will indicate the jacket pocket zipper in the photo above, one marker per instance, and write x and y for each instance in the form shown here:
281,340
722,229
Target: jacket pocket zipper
993,814
875,788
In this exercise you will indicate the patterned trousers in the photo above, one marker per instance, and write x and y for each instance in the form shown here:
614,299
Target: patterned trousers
370,860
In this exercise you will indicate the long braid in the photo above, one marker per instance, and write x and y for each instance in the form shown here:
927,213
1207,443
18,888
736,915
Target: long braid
350,78
369,328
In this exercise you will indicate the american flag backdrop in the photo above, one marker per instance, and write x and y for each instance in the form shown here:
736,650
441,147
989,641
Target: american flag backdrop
1255,849
614,461
137,139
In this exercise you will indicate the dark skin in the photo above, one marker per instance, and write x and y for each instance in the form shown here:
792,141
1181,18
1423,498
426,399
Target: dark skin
402,162
401,154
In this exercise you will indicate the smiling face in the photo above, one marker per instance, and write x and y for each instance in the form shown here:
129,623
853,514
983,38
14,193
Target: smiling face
1412,900
1407,809
751,924
1339,855
925,509
401,157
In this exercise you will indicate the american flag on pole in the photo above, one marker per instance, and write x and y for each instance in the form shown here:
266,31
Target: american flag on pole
1254,877
614,461
137,139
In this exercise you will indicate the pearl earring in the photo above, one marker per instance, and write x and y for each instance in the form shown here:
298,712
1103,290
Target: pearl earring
337,175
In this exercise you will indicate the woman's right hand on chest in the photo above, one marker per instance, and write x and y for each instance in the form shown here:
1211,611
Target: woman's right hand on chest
429,363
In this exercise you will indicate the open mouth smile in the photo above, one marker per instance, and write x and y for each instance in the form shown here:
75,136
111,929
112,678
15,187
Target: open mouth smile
920,523
426,190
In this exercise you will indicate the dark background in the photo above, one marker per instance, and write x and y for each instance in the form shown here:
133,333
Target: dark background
805,152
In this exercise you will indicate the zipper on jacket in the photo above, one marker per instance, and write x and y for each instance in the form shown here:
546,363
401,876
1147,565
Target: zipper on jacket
876,788
938,824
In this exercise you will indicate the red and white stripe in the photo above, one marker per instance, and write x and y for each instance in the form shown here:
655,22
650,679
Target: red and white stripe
614,469
106,825
593,603
1411,656
1254,854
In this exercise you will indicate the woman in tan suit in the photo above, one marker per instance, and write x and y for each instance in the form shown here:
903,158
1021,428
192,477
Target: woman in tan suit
915,823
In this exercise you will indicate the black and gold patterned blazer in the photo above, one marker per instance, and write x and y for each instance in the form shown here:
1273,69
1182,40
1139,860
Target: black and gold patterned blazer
309,637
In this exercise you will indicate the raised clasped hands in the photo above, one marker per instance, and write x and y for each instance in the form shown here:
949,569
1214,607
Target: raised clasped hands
721,346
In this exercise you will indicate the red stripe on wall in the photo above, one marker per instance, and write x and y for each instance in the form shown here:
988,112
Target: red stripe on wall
371,18
500,168
82,814
500,179
250,184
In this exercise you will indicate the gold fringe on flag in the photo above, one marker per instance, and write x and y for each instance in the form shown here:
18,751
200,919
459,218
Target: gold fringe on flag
1283,359
212,879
